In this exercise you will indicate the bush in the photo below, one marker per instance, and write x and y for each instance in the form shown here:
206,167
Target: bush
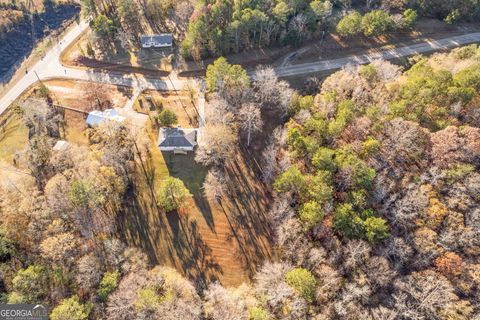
167,118
43,91
303,282
291,180
108,284
370,147
376,22
369,72
172,194
324,159
7,247
310,214
71,309
258,313
410,18
465,52
469,77
350,25
375,229
458,172
31,283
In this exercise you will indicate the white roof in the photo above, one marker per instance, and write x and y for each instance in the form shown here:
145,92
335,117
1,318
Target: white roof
61,145
96,117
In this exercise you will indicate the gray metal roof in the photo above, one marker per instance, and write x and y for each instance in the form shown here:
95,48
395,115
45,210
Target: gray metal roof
165,38
177,137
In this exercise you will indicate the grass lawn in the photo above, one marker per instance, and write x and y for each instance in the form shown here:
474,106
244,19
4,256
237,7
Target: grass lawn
205,240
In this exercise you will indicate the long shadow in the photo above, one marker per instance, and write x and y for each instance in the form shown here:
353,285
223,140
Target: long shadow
193,175
17,43
194,254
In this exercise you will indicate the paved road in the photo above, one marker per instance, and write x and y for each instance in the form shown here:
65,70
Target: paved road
50,67
423,47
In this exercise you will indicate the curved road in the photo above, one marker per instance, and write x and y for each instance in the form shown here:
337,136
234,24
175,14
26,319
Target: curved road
50,67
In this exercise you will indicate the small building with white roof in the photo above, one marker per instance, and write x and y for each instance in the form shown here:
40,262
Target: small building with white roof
162,40
97,117
61,145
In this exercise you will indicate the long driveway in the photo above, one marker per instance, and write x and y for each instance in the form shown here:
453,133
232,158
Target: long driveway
50,67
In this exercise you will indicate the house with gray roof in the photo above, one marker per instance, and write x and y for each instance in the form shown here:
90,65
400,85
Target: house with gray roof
162,40
177,139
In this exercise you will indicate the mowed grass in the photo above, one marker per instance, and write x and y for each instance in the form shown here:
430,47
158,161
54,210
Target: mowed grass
205,240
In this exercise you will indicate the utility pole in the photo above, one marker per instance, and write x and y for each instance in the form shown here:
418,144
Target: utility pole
36,74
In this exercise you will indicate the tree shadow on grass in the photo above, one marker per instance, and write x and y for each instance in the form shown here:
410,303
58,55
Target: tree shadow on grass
195,255
193,175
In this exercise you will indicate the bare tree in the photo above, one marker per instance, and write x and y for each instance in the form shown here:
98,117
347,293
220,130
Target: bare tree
97,97
269,91
250,120
422,295
217,145
215,185
219,112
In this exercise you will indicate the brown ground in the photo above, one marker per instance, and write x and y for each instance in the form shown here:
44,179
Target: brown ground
331,47
207,241
178,102
70,94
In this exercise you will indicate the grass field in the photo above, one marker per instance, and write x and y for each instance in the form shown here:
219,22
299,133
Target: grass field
207,241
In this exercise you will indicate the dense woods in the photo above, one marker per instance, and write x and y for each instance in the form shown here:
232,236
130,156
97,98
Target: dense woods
214,28
375,206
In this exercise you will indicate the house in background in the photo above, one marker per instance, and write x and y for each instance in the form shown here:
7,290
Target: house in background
97,117
162,40
177,139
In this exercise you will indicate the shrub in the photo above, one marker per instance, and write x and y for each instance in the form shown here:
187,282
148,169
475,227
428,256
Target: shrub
350,25
108,284
291,180
469,77
7,247
258,313
71,309
324,159
303,282
465,52
172,194
458,172
167,118
370,147
376,22
375,229
31,283
410,18
369,72
310,214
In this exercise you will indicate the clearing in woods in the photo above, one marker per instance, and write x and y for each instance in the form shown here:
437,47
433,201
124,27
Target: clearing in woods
206,240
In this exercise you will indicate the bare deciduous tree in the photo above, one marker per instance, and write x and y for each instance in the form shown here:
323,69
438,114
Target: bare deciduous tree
250,120
217,145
